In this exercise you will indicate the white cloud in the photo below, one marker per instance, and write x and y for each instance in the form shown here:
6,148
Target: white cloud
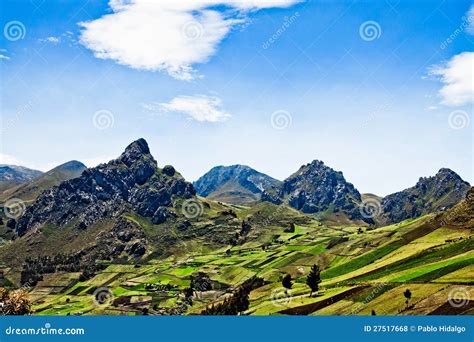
457,75
166,35
201,108
52,40
4,57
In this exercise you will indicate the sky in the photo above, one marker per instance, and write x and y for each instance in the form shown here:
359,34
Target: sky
380,90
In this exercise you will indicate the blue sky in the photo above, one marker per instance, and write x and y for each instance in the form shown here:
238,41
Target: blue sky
381,90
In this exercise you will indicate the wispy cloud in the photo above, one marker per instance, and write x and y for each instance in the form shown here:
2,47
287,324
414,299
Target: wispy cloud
168,35
456,75
201,108
51,39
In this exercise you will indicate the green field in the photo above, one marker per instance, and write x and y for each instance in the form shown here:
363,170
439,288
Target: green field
363,273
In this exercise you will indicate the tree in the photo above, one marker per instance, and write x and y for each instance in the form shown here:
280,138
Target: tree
286,282
407,295
373,313
313,279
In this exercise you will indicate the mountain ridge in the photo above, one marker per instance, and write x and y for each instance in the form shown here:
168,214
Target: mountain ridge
28,191
235,184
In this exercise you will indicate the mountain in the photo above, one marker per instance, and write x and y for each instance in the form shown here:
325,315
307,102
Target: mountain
29,190
11,175
429,195
317,188
126,209
132,181
236,184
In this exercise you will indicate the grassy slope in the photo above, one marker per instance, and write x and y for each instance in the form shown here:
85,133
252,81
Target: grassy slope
367,270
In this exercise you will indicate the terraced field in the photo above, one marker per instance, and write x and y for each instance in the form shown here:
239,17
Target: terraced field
365,271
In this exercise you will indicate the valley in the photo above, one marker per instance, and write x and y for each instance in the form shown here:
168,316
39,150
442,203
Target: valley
129,238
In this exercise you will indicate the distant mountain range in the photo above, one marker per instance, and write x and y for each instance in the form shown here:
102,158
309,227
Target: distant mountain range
237,184
118,223
317,188
11,175
29,189
131,208
314,189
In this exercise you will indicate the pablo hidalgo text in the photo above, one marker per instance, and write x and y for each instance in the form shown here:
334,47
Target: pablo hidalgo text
442,328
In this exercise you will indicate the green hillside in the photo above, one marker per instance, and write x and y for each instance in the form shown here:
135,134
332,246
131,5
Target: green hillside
365,269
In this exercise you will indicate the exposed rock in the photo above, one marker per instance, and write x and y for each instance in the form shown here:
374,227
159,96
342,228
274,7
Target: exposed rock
430,194
316,187
11,223
169,170
132,181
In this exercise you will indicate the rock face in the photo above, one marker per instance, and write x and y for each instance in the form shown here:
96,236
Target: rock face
133,181
316,187
430,194
236,184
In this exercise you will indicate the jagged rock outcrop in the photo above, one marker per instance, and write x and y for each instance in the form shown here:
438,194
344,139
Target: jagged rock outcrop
316,187
430,194
132,181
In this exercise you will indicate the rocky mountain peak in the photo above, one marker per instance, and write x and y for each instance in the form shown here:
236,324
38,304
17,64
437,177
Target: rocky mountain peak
136,151
131,182
316,187
430,194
